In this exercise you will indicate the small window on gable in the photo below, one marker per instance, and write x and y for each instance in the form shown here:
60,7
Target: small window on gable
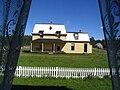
72,46
76,36
50,27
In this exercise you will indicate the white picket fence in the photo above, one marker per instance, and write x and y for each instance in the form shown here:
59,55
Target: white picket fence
61,72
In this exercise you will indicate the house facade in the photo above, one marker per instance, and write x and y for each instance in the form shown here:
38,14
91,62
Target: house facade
54,38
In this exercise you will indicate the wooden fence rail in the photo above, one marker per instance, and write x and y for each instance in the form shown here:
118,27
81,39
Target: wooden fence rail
61,72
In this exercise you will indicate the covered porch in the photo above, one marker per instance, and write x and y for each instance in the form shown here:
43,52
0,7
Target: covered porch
47,45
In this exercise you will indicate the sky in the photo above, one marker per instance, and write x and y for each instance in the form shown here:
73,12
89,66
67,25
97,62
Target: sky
76,15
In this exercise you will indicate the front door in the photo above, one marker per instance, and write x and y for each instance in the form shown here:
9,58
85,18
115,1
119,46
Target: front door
85,47
52,47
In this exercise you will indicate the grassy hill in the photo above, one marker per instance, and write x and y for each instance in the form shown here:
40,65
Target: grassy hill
97,59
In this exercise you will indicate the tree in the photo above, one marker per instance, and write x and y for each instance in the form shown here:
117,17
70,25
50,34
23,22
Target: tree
92,40
26,40
103,42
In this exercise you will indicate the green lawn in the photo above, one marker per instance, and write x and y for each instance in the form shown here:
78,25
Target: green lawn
74,84
97,59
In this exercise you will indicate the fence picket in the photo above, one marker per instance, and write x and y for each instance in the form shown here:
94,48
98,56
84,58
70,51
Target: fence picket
61,72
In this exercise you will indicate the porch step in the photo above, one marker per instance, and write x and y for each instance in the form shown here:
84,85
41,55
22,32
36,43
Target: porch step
51,53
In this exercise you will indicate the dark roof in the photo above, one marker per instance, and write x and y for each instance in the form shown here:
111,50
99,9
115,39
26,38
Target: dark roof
48,40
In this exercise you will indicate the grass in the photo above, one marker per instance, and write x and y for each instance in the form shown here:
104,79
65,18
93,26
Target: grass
74,84
97,59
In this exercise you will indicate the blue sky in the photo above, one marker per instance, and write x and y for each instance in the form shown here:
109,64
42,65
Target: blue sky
76,15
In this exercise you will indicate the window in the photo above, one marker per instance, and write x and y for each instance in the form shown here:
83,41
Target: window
72,46
76,36
85,47
50,27
41,47
58,48
41,33
58,33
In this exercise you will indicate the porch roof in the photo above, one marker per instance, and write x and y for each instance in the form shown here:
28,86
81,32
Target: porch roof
48,40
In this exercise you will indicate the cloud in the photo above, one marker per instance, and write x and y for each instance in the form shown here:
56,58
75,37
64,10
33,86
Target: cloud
101,27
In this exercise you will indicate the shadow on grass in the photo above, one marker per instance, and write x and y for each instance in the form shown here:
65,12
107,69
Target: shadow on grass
21,87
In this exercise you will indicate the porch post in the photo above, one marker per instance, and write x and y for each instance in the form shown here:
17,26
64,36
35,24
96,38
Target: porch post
42,47
31,48
54,47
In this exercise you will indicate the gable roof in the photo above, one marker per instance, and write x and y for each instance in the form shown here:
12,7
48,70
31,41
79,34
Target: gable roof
49,28
81,37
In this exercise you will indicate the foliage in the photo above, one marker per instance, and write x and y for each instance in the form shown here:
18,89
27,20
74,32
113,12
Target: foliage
26,40
103,43
93,42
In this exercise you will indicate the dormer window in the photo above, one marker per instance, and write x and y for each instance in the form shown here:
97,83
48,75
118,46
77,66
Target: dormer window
50,27
58,33
41,33
76,36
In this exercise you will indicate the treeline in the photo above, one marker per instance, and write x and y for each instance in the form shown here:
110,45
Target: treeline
94,42
26,40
